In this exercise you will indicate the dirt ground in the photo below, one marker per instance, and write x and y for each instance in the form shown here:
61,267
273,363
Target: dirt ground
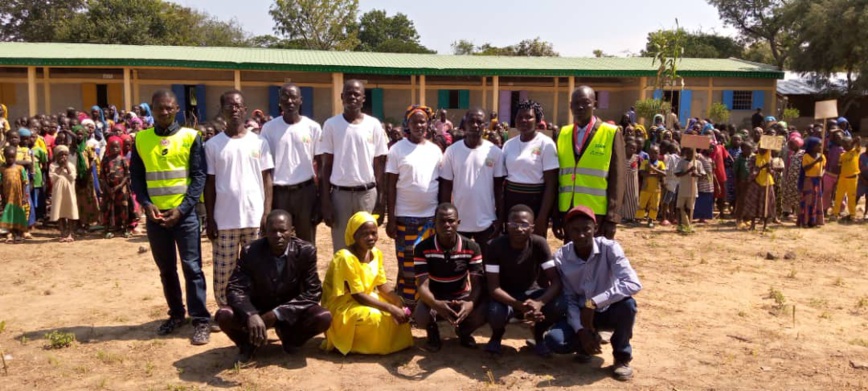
714,314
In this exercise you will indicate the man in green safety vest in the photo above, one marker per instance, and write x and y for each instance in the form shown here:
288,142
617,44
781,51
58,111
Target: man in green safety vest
167,170
592,172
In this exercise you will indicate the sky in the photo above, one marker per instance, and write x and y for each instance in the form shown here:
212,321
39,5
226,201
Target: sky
575,27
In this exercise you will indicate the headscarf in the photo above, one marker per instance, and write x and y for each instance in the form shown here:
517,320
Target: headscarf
5,111
654,122
99,131
810,144
24,132
842,120
413,109
356,221
641,129
148,119
136,120
771,119
80,161
708,128
115,117
60,149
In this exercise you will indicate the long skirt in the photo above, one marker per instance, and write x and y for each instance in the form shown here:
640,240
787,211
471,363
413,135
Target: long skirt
829,183
811,205
411,231
631,196
704,208
757,204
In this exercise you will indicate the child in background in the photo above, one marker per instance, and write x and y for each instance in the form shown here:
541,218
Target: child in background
687,172
670,184
848,178
115,178
742,178
64,209
811,213
14,201
760,199
631,197
37,190
734,151
652,171
705,185
134,211
862,189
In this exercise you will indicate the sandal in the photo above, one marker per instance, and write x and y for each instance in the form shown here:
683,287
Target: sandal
109,235
128,234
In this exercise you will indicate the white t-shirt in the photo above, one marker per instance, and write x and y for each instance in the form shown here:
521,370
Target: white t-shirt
472,172
418,169
525,162
354,147
292,147
237,164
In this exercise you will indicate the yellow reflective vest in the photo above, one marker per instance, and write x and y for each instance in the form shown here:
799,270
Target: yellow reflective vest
167,165
585,183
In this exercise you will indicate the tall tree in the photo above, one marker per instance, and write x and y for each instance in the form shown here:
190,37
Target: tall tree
526,48
762,20
36,20
317,24
699,45
379,32
833,42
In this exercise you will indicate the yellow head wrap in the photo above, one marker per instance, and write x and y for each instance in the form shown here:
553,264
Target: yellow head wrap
359,219
641,129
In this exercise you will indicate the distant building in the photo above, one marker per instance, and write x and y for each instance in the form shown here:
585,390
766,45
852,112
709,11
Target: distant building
801,92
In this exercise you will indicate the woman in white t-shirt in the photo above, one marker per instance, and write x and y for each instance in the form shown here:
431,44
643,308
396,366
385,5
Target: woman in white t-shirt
531,165
412,171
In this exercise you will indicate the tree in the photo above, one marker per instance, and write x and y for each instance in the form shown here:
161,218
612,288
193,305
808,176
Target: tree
36,20
699,45
667,52
526,48
317,24
762,21
379,32
599,53
831,44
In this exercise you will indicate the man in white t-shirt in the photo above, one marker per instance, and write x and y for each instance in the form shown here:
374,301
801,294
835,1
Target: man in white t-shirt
472,177
292,138
237,189
353,150
412,190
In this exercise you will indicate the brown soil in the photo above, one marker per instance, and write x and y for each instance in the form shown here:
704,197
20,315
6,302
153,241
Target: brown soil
707,320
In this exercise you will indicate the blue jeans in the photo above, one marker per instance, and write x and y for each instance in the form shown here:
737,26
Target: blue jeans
619,317
186,236
499,313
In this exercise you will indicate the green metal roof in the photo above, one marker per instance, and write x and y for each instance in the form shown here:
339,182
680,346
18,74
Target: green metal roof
258,59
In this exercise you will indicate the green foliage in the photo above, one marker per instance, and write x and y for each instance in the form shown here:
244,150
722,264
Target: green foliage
762,21
2,326
719,113
36,20
526,48
58,339
790,113
647,108
599,53
667,50
379,32
317,24
695,44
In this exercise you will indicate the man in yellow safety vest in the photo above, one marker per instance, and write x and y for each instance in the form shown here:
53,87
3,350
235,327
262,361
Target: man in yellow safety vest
167,170
592,172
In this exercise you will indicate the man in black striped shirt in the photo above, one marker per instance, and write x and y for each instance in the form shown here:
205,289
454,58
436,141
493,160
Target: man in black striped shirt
449,278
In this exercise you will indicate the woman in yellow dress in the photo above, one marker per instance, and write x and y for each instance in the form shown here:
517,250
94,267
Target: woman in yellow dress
367,317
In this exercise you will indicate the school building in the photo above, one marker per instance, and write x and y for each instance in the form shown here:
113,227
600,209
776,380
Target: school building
49,77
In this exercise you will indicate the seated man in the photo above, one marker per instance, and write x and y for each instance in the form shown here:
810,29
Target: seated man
512,267
275,284
598,284
448,270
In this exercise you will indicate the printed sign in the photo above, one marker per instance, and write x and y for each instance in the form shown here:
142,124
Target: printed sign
826,109
694,141
772,143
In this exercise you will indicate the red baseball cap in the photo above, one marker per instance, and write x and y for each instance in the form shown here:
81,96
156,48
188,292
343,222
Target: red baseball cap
580,210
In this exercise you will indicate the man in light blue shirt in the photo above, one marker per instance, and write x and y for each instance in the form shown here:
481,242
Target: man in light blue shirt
598,284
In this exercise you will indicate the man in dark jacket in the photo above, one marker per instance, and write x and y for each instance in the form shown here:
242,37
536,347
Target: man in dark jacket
275,284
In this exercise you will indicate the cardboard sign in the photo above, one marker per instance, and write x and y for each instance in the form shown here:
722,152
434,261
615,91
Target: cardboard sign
772,143
694,141
826,109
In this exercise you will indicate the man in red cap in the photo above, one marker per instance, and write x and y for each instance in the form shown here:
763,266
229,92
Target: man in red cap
598,284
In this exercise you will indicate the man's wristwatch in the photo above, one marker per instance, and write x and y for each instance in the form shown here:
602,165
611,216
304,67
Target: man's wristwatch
590,304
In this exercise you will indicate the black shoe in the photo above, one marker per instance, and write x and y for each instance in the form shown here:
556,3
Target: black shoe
169,326
245,354
433,344
201,334
621,371
467,341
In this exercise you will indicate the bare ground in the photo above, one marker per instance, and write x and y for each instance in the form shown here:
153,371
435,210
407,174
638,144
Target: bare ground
714,314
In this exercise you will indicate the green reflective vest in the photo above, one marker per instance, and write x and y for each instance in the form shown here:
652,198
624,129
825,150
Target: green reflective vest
585,183
167,164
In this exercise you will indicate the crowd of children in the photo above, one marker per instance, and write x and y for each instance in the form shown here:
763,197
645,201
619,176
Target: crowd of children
814,176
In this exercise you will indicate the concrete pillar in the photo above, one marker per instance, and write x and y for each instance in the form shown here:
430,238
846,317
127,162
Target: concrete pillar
643,81
495,93
555,100
413,89
571,86
46,90
135,78
238,80
128,90
422,90
484,92
31,91
337,88
710,95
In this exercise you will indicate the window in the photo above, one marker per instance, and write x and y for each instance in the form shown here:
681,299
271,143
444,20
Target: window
453,99
742,100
